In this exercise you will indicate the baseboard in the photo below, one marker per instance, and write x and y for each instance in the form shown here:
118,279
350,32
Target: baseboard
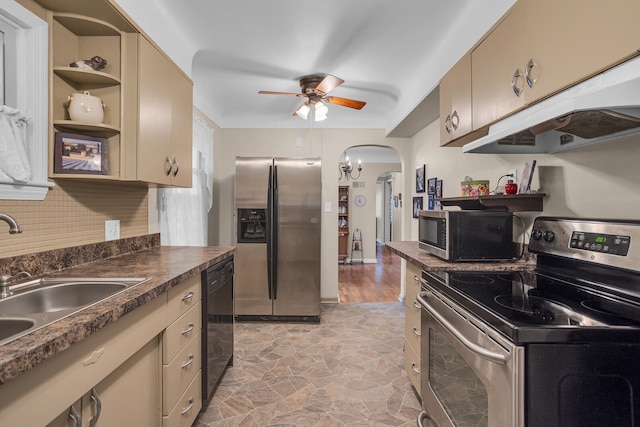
365,261
330,300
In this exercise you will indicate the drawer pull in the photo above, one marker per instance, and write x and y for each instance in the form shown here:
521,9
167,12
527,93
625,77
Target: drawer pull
188,296
416,332
188,362
416,278
191,326
416,305
95,399
413,367
188,407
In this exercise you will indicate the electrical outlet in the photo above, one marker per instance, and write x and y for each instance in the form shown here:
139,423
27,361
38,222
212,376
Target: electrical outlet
514,175
112,230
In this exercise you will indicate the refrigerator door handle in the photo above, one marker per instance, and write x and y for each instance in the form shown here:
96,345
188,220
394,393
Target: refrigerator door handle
270,233
274,236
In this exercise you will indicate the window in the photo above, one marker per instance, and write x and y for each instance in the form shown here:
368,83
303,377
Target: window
24,75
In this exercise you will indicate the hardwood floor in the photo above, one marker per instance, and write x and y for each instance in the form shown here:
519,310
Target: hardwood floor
371,282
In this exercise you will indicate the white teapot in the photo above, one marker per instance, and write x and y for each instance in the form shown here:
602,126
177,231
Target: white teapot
85,108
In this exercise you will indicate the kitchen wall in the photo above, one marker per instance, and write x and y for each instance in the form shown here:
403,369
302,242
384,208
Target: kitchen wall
313,142
598,181
73,213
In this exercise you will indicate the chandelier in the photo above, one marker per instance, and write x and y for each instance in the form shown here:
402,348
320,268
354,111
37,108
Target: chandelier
345,169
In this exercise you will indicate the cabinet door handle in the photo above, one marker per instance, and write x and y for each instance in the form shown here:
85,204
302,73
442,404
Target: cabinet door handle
514,82
447,124
188,407
527,73
188,329
175,162
413,367
95,399
188,362
75,417
455,120
168,165
187,297
416,332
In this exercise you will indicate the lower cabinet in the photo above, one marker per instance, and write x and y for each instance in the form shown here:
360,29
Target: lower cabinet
128,396
142,370
412,330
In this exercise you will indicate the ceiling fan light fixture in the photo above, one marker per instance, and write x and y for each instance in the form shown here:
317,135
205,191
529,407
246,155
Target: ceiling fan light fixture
303,111
320,111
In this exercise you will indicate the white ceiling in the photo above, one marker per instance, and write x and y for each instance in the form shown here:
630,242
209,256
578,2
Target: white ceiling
390,53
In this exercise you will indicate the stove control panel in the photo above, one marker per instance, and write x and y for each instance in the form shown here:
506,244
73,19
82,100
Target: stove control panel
608,242
598,242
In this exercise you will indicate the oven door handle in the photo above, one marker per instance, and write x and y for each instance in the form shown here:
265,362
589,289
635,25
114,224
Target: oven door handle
473,347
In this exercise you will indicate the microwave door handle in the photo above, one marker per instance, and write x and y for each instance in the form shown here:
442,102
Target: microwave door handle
473,347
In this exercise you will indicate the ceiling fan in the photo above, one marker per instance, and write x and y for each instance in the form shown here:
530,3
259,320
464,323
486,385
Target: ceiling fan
315,87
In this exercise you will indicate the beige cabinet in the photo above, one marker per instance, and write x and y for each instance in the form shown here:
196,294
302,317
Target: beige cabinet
128,396
158,124
455,102
412,331
181,355
544,46
121,362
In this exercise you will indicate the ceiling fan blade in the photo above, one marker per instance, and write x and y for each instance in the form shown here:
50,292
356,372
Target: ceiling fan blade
268,92
345,102
327,84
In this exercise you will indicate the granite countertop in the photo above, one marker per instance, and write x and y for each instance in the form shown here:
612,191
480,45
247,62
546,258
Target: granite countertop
164,266
413,254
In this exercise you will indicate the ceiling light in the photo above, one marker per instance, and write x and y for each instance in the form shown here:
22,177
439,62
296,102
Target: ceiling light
303,111
320,112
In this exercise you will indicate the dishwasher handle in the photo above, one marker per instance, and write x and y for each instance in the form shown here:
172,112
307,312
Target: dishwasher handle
471,346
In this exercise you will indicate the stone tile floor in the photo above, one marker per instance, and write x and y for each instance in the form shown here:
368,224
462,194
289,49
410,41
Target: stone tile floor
345,371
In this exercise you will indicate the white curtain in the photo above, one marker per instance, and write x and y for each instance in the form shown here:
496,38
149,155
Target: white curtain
183,211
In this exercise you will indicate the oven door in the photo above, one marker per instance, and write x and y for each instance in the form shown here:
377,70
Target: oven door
470,374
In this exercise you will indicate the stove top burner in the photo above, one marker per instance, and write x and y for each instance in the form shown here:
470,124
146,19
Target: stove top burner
614,308
545,311
471,278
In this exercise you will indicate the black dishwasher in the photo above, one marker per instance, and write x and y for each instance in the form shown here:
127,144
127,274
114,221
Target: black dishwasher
217,325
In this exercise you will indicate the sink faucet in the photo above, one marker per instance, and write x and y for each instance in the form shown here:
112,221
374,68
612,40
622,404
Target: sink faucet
5,279
14,227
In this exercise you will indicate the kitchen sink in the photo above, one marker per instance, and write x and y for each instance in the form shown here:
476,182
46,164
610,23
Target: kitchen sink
11,327
41,302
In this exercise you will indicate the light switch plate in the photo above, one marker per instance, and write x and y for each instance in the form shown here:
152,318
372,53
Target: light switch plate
112,230
327,207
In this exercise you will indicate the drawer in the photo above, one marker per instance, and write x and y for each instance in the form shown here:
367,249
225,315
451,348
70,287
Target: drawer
412,367
412,331
411,271
183,297
180,332
188,406
410,300
178,374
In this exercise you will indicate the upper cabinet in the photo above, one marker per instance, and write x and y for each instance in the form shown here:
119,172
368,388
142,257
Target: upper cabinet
544,46
540,48
455,102
159,100
145,133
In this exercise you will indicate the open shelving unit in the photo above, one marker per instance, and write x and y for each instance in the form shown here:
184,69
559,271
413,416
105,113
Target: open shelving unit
504,202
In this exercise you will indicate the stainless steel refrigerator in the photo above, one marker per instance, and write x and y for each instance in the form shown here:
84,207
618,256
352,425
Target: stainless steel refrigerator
277,275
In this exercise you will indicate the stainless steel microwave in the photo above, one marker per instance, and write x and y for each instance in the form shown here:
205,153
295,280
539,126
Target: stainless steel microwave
467,235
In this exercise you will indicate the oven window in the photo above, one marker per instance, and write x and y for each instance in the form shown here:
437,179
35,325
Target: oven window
456,386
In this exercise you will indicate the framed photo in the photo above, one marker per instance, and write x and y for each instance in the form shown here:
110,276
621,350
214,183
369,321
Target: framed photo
420,179
431,202
527,176
417,206
438,192
80,154
431,185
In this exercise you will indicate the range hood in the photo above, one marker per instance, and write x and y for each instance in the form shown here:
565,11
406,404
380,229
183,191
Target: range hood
602,108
